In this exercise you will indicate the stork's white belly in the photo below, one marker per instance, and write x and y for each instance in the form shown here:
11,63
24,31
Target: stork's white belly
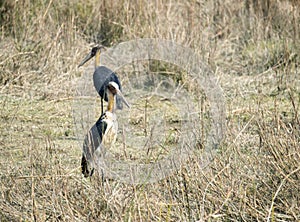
110,135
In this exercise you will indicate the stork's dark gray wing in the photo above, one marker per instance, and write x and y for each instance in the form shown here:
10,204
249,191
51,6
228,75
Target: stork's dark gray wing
92,141
102,76
101,125
84,167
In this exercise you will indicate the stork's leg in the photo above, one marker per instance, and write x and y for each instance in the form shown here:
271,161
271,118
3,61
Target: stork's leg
102,176
101,106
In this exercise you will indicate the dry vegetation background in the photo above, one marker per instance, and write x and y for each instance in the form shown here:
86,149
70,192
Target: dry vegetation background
252,46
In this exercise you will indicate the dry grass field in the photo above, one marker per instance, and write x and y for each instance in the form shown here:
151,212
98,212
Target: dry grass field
253,48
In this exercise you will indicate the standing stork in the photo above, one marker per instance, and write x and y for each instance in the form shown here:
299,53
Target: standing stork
103,133
102,76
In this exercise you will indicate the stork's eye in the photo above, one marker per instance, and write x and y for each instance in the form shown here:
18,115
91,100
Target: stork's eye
94,50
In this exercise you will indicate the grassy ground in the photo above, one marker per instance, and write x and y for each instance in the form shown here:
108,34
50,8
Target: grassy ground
253,48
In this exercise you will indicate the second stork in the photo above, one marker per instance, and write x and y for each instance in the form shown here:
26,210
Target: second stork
103,133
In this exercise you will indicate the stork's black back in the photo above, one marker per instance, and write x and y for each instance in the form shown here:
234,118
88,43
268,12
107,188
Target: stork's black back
102,76
91,142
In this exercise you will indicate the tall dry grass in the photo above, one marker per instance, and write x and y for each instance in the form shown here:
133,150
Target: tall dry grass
253,48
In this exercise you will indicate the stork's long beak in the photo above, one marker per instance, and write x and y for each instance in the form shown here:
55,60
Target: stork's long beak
122,97
87,58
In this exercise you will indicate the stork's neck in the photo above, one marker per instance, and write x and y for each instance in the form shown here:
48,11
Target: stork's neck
97,58
111,102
